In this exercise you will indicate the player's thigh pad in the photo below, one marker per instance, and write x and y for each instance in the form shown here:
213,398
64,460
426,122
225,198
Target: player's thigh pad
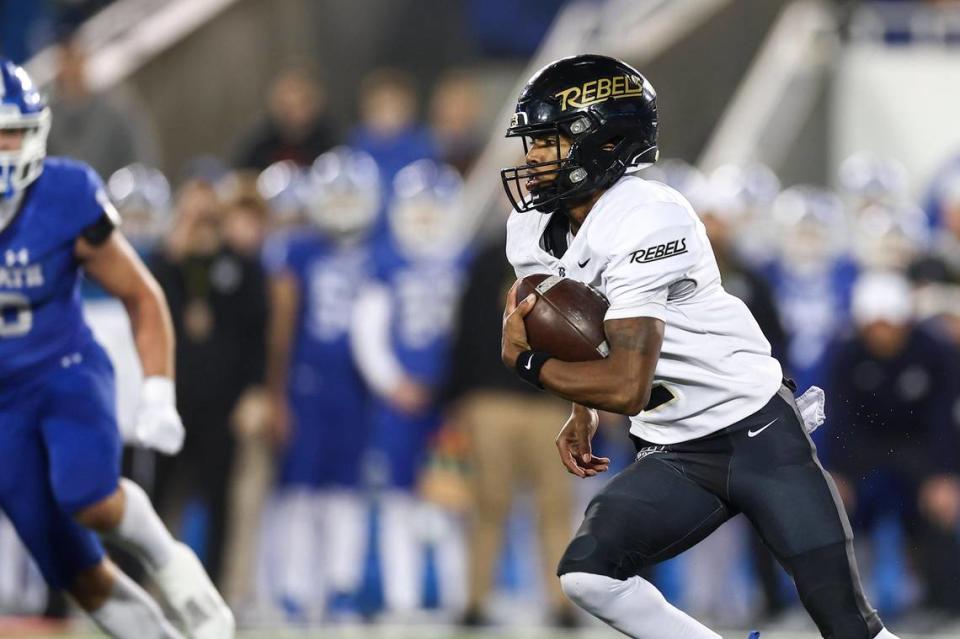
79,426
61,548
646,514
778,483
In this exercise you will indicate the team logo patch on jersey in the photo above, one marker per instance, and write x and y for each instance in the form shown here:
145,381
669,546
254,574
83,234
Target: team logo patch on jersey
659,252
16,272
16,258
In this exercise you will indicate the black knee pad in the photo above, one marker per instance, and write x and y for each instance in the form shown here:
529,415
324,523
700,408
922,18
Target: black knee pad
829,587
599,547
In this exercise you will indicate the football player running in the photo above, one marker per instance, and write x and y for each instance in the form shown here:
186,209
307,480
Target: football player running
716,429
59,442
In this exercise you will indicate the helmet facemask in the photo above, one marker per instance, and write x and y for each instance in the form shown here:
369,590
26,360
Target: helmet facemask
607,111
19,168
610,154
569,179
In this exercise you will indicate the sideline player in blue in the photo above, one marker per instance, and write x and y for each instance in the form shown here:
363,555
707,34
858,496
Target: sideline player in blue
60,446
319,399
403,323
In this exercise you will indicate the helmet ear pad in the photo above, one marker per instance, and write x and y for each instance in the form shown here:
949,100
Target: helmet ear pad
604,153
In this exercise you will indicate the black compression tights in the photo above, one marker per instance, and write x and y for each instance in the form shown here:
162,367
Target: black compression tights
830,590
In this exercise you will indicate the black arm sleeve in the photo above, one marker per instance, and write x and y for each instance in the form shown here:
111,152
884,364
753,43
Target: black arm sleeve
100,231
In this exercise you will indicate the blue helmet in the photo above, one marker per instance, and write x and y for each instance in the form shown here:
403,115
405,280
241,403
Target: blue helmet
865,178
279,185
341,193
426,211
22,109
143,199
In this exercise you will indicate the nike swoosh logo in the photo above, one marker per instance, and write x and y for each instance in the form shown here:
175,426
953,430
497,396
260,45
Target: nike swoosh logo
754,433
583,263
529,361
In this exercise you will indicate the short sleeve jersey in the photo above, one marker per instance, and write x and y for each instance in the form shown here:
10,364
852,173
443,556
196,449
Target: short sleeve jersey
644,248
41,318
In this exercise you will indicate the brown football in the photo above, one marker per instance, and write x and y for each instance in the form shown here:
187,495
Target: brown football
567,320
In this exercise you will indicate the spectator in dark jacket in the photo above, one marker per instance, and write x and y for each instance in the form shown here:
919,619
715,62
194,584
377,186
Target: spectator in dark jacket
293,128
217,302
892,433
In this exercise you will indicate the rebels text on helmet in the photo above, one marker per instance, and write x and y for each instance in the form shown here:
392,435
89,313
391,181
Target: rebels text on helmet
600,90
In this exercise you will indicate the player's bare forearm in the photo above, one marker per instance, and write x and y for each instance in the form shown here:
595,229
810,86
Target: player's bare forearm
152,329
621,382
284,303
117,268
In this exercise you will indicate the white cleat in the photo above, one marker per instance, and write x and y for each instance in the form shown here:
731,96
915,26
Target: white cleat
199,608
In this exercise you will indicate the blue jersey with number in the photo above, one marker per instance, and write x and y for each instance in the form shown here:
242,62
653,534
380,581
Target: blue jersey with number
424,294
813,305
327,397
41,320
328,276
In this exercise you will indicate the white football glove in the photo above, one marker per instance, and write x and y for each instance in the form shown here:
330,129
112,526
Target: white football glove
157,424
810,405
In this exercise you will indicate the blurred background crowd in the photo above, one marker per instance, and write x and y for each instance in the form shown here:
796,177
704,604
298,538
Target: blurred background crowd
329,236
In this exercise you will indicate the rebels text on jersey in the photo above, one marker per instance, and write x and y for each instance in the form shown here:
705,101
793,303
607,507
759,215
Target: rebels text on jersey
645,249
41,319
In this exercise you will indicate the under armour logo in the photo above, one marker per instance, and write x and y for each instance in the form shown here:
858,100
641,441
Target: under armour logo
17,258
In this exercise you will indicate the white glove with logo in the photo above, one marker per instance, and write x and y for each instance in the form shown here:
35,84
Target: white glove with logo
157,424
810,405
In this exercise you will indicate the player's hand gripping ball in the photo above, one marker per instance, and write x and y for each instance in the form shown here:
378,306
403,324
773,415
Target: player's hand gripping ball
157,423
567,319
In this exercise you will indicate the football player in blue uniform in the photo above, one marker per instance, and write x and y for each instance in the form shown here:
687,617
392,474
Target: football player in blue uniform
320,401
811,276
59,441
402,329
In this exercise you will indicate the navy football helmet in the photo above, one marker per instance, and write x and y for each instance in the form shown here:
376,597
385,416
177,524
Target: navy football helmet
606,108
22,109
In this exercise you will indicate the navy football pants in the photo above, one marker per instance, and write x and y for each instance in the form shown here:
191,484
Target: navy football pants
764,466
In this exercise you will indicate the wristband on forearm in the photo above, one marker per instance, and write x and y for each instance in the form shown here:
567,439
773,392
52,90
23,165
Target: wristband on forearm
528,366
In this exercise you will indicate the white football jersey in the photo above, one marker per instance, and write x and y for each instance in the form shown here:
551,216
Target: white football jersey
645,249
